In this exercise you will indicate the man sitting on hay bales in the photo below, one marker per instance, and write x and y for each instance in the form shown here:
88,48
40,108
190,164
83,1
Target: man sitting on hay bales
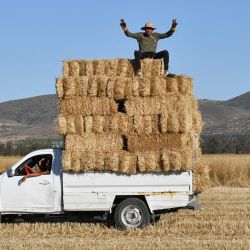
148,42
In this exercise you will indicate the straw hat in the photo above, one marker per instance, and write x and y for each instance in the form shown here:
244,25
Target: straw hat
148,25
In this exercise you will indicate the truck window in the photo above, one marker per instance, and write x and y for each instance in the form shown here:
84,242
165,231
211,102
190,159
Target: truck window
39,163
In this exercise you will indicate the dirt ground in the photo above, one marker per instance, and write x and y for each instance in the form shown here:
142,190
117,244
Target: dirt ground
222,223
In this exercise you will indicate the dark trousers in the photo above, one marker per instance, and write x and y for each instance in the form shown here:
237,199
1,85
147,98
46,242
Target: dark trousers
159,55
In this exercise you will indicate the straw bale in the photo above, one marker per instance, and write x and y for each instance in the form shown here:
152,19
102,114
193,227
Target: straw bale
185,85
138,124
127,162
89,68
155,123
201,178
154,142
94,142
74,69
102,85
99,67
71,129
66,161
143,106
98,122
173,123
88,124
82,68
164,122
112,68
119,88
81,86
148,161
65,70
175,160
75,162
135,86
79,125
110,87
69,86
185,120
172,84
69,106
197,121
158,86
112,161
59,87
125,68
144,86
61,125
125,123
147,126
156,68
165,159
151,68
92,86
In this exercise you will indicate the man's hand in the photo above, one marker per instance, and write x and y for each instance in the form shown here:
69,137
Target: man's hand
174,24
123,25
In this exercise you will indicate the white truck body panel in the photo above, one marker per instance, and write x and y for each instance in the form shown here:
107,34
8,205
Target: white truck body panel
61,192
97,191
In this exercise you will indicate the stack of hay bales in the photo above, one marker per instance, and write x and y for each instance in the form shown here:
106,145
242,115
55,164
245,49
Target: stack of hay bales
114,121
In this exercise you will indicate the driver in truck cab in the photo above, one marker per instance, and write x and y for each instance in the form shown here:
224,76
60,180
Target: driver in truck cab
43,168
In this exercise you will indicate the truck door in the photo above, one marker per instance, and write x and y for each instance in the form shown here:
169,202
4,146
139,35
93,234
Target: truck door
35,194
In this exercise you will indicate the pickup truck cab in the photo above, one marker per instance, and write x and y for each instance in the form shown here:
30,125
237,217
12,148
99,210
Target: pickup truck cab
132,200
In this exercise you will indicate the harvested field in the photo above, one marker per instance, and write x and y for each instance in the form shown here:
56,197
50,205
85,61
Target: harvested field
223,223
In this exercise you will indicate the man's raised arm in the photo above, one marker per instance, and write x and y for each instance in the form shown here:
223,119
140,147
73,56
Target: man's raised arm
127,33
170,32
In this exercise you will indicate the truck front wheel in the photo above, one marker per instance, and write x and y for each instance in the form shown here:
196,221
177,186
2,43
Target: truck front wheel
132,213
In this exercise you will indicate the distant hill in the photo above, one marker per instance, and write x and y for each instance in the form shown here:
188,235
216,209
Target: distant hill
35,117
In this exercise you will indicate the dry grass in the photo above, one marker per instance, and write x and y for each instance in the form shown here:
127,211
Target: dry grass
223,223
229,169
8,161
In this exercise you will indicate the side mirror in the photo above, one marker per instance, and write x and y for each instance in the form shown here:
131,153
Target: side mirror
10,172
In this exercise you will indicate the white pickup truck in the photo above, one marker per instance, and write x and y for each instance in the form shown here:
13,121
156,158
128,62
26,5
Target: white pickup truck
131,200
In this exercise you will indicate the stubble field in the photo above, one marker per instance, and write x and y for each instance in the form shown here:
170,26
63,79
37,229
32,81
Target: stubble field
222,223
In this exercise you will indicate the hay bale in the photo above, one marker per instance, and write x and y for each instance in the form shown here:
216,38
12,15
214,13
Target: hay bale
201,178
197,121
173,125
172,84
185,85
110,88
158,142
81,86
88,124
144,86
74,69
98,123
66,161
69,86
135,87
125,68
79,125
92,86
138,124
112,68
164,122
148,161
147,124
82,68
127,162
61,125
175,160
119,88
93,142
99,67
158,86
165,160
65,70
71,129
151,68
102,85
59,87
112,161
89,70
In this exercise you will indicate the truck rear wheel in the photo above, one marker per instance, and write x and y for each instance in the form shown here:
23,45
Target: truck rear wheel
132,213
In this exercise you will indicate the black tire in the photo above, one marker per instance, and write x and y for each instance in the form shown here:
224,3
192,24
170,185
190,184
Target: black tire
131,213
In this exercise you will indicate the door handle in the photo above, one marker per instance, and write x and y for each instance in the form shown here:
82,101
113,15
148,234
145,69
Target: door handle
44,182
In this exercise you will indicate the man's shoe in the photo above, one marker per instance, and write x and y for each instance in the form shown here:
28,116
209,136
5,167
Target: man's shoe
166,73
138,73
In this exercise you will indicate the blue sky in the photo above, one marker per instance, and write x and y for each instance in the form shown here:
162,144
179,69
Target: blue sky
211,43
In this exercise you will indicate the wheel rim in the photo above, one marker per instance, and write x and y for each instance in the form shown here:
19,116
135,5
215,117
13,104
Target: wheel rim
131,216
